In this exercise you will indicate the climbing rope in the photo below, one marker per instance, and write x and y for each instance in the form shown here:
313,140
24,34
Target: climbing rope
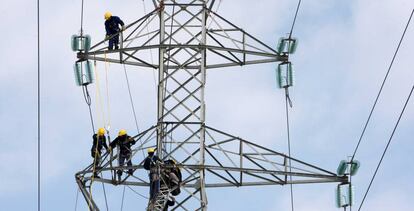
88,101
98,97
107,94
99,100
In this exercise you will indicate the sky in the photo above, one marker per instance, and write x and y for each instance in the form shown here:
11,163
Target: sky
345,48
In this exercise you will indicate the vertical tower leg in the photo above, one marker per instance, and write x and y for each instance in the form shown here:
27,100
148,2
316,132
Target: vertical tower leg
161,88
203,194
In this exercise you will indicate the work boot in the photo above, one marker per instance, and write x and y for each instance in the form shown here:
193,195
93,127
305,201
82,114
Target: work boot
96,176
130,172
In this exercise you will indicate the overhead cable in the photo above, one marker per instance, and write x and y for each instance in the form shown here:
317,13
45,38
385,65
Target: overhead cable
38,105
81,30
104,191
148,36
294,19
87,98
289,151
122,200
386,148
288,101
382,86
137,192
131,99
77,196
133,106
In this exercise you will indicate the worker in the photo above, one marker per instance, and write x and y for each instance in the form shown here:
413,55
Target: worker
99,141
151,164
112,24
173,173
124,142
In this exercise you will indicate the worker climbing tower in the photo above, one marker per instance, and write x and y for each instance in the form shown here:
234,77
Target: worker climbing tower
190,40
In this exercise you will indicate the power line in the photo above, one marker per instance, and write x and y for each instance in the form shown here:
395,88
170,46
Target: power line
104,191
38,105
76,202
294,19
386,148
133,106
122,201
382,86
81,30
287,98
137,192
148,37
131,99
288,137
88,101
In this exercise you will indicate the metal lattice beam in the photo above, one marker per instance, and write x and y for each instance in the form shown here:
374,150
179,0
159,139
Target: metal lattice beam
229,162
190,39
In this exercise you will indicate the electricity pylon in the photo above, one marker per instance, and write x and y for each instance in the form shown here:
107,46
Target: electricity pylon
191,39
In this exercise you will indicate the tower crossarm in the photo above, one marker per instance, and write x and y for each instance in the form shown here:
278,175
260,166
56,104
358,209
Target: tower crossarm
225,43
229,162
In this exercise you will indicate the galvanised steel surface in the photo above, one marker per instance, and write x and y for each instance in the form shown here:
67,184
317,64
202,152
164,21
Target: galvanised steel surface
191,38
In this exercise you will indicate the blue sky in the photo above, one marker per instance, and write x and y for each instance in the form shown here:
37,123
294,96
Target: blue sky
344,51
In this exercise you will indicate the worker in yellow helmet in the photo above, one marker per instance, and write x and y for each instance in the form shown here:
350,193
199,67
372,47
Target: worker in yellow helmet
99,141
124,142
150,164
112,24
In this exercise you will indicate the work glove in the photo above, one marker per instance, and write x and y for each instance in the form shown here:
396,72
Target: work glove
106,37
109,149
123,28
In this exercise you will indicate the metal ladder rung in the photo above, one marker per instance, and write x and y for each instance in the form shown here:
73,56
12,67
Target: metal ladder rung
161,199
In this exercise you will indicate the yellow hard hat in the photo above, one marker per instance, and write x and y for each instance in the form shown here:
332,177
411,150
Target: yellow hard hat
151,150
107,15
101,131
122,132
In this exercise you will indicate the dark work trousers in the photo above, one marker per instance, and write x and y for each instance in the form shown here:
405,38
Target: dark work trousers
96,161
154,183
122,158
113,42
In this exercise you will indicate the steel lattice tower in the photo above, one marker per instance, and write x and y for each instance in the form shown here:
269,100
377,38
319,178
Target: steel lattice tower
190,40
